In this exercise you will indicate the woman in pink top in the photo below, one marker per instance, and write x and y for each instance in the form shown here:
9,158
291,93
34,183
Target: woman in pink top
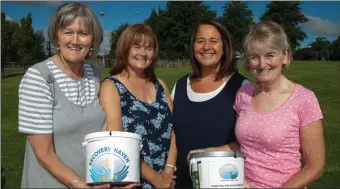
278,120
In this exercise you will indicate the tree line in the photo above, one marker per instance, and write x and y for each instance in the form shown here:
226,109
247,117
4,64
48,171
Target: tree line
173,26
19,41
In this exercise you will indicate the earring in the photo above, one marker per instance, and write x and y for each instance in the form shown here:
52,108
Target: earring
58,48
91,49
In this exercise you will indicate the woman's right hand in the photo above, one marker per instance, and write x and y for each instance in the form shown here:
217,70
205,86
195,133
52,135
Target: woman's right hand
246,185
99,186
163,180
133,185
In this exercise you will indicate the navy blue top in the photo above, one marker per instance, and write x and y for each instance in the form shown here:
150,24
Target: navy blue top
153,121
204,124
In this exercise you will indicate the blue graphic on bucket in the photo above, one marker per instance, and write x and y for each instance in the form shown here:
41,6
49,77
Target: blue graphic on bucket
109,165
228,171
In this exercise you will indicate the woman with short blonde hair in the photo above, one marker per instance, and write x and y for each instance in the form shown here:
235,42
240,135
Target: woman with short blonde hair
279,121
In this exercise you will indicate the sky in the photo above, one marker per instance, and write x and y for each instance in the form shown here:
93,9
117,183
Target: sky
324,16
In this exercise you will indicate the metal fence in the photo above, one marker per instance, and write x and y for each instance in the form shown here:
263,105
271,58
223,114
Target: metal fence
10,68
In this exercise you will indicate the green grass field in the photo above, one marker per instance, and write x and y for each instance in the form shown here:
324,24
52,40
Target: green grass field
322,77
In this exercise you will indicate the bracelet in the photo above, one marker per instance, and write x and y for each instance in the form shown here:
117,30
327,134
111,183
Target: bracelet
70,184
172,166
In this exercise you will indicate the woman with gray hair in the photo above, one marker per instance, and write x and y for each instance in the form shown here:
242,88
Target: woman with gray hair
58,102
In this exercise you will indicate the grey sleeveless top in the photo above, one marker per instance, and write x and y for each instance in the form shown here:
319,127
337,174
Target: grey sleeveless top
70,124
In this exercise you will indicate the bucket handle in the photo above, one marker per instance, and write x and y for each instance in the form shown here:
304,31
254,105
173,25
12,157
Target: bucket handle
190,167
84,143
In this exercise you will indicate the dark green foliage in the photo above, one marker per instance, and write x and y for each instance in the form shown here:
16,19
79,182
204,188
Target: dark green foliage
238,19
114,36
174,25
320,47
23,39
303,54
334,49
38,50
8,50
289,15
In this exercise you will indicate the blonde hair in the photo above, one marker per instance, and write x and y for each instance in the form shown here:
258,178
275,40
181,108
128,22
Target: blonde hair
66,14
266,35
134,35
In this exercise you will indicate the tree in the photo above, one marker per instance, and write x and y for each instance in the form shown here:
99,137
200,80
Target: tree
303,54
38,50
7,30
238,19
288,14
8,50
155,21
23,38
178,20
320,47
334,49
5,40
114,36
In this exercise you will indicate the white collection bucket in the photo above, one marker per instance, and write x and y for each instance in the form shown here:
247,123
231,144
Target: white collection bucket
217,169
112,157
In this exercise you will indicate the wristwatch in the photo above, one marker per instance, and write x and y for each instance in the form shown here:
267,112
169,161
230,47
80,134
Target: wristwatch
172,166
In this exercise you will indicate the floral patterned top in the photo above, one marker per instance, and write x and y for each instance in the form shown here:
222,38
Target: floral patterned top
153,121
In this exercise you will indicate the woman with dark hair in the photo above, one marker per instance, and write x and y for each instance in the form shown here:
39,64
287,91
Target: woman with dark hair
135,100
203,100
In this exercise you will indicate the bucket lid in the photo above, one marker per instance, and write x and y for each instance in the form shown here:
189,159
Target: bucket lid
112,134
216,154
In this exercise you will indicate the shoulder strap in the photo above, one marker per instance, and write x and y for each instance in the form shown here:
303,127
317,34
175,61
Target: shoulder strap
96,71
181,85
48,76
234,84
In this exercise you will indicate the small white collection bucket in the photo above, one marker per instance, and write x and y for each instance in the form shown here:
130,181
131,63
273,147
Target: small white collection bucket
217,169
112,157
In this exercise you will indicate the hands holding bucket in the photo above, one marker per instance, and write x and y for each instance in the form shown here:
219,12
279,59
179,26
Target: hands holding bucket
246,185
199,150
132,185
164,180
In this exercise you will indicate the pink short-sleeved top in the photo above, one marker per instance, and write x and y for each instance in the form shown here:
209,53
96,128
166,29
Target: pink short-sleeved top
270,140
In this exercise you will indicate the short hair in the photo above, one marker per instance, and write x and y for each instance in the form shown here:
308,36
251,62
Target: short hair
66,14
228,62
266,35
134,35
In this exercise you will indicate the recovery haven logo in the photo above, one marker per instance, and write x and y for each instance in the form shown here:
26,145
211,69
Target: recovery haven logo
228,171
109,165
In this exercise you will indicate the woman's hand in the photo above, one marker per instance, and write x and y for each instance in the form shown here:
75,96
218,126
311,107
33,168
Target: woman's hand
169,170
132,185
163,180
97,186
82,184
246,185
199,150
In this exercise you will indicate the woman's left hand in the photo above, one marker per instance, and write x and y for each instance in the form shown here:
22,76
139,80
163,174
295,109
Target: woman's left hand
169,170
132,185
199,150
